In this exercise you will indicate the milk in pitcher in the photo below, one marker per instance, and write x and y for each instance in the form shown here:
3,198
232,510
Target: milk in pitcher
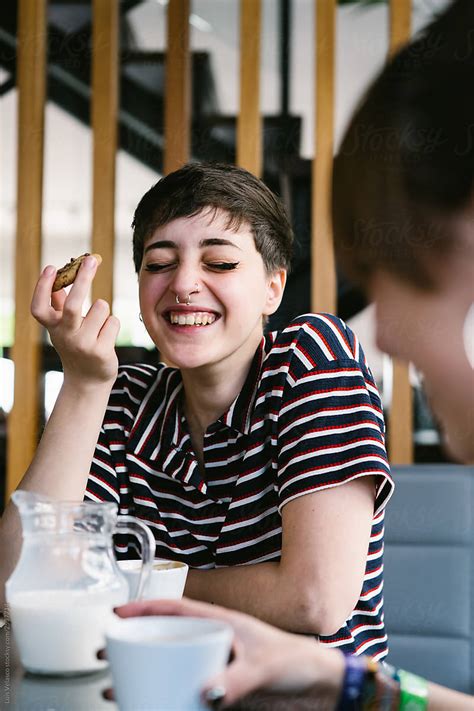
60,632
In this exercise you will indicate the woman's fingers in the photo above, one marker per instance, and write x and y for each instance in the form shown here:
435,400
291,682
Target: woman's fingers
237,680
41,307
97,336
149,607
108,695
94,321
175,607
58,298
109,332
48,308
73,304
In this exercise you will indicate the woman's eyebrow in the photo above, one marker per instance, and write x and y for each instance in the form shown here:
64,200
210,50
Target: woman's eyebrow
209,242
216,242
162,244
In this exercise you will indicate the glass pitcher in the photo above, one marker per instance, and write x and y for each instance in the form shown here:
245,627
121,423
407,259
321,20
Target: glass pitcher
67,581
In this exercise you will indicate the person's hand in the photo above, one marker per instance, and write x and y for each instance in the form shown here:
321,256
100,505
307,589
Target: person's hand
85,344
264,657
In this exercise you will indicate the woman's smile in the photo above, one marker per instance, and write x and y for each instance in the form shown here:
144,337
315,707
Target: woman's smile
190,318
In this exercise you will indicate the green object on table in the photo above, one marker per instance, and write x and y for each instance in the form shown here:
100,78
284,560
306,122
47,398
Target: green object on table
413,692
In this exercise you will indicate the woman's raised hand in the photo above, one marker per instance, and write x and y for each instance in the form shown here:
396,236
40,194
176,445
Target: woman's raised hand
85,344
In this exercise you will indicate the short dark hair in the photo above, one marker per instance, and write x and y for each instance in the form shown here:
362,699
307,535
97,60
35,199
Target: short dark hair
218,186
406,163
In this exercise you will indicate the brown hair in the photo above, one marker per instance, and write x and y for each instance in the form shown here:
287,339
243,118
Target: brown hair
197,186
406,163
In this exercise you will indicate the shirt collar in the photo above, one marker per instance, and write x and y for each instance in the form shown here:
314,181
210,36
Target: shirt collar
238,416
159,422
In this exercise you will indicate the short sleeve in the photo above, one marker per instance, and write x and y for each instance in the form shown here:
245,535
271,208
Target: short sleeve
330,431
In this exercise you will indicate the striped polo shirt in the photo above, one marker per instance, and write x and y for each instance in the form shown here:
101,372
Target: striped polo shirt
307,418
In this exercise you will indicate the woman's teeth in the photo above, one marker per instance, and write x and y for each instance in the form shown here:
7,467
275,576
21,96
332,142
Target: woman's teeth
191,319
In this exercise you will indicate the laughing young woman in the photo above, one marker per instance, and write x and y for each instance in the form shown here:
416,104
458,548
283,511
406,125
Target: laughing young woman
257,459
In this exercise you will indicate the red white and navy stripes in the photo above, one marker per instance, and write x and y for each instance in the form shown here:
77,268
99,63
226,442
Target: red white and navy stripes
308,417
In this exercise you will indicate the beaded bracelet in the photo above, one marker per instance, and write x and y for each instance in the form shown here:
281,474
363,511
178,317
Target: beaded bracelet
413,692
413,689
353,684
380,691
388,690
367,686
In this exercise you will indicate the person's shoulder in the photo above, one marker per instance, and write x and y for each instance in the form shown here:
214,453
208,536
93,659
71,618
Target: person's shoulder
135,386
139,373
134,380
321,337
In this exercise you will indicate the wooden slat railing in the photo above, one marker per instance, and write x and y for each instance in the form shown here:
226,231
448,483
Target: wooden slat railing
104,131
323,275
249,122
23,420
401,409
177,87
31,78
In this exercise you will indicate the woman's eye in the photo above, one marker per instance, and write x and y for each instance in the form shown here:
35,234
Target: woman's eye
222,266
154,267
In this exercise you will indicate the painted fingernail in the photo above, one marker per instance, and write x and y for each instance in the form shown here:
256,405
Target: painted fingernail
49,271
214,697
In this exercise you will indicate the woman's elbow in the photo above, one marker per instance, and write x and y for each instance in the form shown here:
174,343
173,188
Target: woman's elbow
328,622
320,617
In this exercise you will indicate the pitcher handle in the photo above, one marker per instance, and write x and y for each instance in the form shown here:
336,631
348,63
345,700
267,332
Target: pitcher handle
130,524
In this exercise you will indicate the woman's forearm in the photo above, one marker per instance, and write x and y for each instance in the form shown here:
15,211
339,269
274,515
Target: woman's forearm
440,699
61,464
264,590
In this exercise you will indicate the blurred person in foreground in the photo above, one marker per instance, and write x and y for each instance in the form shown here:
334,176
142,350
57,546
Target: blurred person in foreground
403,212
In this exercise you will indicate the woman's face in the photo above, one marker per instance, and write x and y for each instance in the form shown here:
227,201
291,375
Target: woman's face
427,329
222,325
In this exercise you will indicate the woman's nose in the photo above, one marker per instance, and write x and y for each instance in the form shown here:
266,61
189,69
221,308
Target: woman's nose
184,283
187,299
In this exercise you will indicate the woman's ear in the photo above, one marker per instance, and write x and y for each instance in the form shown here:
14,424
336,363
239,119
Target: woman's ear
275,288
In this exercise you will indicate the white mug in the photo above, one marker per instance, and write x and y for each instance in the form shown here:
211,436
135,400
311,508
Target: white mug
166,580
165,662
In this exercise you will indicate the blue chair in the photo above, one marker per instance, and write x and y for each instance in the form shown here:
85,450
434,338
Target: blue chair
429,573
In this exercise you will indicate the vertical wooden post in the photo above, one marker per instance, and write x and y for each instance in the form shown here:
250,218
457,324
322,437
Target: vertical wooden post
401,408
31,72
400,24
177,87
105,87
323,273
249,124
400,419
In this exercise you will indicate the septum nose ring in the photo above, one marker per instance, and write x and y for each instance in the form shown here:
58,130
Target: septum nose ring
196,290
